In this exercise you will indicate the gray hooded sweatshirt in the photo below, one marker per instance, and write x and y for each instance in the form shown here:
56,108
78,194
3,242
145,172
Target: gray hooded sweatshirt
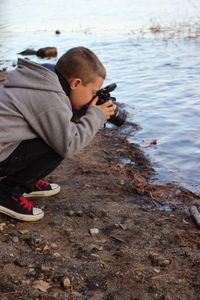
33,104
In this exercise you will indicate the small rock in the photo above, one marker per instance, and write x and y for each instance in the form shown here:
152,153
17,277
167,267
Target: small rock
71,213
95,247
154,142
26,281
156,237
121,182
156,270
66,283
31,272
57,32
56,254
38,249
79,213
94,255
2,225
15,239
94,231
46,247
11,225
23,231
44,268
54,245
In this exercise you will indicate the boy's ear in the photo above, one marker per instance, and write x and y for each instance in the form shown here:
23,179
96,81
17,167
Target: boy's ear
74,83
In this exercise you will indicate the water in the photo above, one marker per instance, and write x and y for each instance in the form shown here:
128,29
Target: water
157,73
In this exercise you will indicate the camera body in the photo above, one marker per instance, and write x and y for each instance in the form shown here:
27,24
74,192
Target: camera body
119,116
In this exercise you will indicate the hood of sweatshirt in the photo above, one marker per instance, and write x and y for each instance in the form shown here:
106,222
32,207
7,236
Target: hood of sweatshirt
31,75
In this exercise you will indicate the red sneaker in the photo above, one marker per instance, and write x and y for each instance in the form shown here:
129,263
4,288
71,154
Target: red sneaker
44,189
20,209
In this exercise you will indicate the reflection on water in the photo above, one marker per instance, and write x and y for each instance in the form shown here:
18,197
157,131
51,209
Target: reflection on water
157,75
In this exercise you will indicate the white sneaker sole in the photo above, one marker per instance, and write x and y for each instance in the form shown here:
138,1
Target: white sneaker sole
37,214
55,190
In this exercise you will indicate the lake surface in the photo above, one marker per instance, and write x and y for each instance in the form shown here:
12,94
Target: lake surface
151,50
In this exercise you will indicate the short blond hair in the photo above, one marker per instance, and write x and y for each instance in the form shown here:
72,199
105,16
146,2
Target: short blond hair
80,62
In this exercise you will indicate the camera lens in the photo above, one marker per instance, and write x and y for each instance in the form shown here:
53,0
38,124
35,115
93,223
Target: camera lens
118,118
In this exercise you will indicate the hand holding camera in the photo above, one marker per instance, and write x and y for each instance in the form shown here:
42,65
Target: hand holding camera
110,110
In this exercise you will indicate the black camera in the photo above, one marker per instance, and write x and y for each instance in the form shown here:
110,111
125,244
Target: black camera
119,116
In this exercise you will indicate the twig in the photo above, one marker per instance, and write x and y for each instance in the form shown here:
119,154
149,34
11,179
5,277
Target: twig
183,241
118,239
198,242
154,199
63,200
162,219
10,293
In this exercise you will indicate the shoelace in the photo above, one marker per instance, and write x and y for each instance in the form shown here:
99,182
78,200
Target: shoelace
41,182
24,202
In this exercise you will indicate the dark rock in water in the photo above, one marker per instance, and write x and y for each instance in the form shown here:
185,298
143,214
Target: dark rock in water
47,52
57,32
42,52
28,52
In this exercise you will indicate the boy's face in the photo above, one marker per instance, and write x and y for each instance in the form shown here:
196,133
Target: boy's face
80,94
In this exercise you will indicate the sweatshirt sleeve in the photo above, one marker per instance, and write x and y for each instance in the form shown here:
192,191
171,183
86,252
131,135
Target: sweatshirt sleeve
55,127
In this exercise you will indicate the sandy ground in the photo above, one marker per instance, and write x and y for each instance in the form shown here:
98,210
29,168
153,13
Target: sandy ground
110,234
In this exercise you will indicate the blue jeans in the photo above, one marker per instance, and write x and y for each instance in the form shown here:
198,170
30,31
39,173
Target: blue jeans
29,162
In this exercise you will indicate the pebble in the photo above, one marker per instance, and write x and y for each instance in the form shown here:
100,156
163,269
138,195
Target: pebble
54,245
15,239
66,283
23,231
11,225
121,182
71,213
94,231
56,254
156,270
79,213
31,272
2,225
38,249
44,268
46,247
26,281
94,255
95,247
